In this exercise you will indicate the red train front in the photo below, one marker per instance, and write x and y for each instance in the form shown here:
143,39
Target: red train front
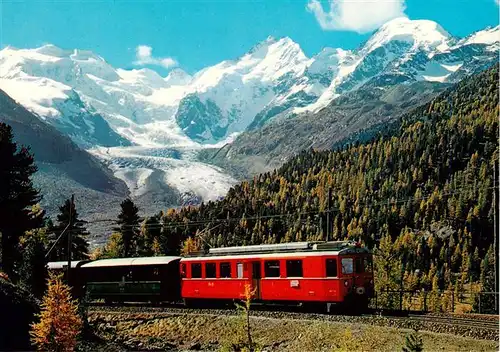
310,273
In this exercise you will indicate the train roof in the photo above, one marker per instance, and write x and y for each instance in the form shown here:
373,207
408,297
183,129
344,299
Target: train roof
63,264
293,249
131,261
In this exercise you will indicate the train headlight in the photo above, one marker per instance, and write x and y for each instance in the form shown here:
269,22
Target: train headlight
346,283
360,290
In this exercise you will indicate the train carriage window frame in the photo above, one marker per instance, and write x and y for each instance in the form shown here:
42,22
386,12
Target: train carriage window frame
272,268
347,264
210,270
225,270
239,270
196,270
294,268
331,267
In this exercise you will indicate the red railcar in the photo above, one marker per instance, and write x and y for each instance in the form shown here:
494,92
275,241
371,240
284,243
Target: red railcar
301,272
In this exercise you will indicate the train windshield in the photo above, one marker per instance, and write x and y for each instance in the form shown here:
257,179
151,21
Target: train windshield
347,266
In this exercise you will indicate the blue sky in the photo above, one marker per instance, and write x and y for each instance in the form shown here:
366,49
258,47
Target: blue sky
196,33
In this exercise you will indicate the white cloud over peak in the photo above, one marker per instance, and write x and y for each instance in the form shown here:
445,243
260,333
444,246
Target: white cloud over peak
144,56
356,15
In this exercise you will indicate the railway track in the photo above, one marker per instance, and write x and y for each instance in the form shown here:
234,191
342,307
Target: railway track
471,323
475,327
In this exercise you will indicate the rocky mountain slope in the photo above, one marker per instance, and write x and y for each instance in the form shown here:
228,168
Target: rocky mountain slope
64,168
355,116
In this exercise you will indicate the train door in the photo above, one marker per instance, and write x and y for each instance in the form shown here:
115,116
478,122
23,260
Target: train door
347,270
359,280
256,278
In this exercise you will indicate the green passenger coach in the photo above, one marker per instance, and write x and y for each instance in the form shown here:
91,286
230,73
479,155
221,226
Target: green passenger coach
147,279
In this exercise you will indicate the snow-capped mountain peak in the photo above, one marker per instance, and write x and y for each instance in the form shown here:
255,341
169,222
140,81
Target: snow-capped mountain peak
55,63
51,50
178,77
143,76
487,36
402,50
423,34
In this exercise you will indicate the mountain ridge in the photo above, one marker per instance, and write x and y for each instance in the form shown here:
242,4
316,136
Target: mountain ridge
273,77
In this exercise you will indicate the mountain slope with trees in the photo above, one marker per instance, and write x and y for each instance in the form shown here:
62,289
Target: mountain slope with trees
423,197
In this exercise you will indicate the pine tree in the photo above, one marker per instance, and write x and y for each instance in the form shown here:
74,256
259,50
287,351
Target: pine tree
150,231
485,300
435,296
79,248
171,239
33,271
129,220
413,343
59,323
475,265
17,196
156,247
113,248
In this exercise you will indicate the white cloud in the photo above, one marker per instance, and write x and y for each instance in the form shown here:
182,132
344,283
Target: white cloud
356,15
144,56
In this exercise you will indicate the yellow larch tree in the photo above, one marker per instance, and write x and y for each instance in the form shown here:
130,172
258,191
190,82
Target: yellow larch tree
189,246
59,323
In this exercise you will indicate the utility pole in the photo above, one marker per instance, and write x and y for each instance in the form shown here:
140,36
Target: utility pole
69,235
328,205
495,250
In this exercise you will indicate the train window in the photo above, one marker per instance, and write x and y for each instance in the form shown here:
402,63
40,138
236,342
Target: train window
347,265
294,268
210,270
331,267
272,268
196,270
225,269
239,267
358,267
367,264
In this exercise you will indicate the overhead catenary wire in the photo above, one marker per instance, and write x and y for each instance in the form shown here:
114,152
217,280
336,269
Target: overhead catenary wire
191,223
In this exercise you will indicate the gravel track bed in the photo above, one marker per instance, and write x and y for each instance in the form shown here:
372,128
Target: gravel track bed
473,328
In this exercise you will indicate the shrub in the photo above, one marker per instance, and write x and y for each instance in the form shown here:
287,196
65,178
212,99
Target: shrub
413,343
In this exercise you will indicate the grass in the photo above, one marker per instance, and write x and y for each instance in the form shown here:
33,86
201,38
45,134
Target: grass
222,332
